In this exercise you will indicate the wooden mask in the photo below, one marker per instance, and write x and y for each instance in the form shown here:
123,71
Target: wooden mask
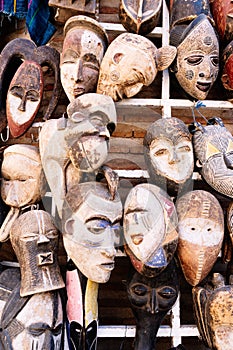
34,239
34,322
79,144
84,45
24,52
130,62
213,146
149,229
91,229
222,11
197,62
213,312
139,17
201,231
227,70
168,154
24,97
151,299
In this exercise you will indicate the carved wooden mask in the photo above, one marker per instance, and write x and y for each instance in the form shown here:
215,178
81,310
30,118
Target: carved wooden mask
197,62
91,229
34,239
151,299
213,146
168,154
150,229
222,11
34,322
213,312
23,180
201,231
24,97
227,70
130,62
84,45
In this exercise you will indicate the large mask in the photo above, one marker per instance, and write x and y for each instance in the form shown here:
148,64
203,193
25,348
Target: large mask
222,11
197,63
91,228
130,62
201,231
213,147
213,312
150,223
79,144
151,299
21,82
34,239
34,322
168,154
83,48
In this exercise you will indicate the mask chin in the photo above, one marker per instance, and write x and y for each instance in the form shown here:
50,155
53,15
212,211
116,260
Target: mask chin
132,89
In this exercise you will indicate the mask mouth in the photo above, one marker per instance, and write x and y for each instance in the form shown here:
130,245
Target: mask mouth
203,86
78,90
107,266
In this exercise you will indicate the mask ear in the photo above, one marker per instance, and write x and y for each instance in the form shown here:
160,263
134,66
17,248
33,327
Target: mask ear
165,56
69,226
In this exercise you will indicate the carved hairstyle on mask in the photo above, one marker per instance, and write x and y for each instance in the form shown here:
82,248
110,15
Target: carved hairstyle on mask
196,64
168,154
150,224
201,232
222,11
131,62
151,299
91,229
213,147
24,52
213,312
184,13
85,42
34,239
139,18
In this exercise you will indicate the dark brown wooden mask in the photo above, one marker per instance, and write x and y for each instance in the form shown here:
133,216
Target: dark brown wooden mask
213,145
227,70
151,299
13,55
150,223
213,313
201,231
139,17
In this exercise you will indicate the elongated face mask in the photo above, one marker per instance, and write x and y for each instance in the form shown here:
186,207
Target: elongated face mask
92,228
83,49
197,61
201,231
24,97
149,229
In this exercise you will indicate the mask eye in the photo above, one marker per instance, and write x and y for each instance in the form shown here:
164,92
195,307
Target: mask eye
229,146
194,60
215,60
167,292
140,290
211,150
117,57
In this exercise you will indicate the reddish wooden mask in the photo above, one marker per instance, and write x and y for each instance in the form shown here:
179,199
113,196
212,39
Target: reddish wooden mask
201,231
222,11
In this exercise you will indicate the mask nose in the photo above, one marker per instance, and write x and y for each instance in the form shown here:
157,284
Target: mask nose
22,105
79,71
173,158
153,304
42,239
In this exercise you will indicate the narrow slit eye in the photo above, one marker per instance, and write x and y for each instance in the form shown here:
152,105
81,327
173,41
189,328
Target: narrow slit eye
194,60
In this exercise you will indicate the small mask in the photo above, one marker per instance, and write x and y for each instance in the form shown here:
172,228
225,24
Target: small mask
151,299
22,185
150,229
140,18
213,147
213,313
91,227
227,70
34,239
83,48
201,231
130,62
34,322
168,154
197,62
